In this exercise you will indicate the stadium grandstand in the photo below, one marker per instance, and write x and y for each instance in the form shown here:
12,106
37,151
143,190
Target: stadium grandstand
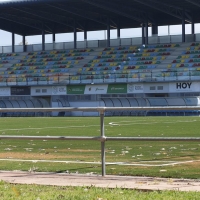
123,72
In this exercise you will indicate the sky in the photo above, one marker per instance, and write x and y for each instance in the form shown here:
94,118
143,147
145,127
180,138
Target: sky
5,37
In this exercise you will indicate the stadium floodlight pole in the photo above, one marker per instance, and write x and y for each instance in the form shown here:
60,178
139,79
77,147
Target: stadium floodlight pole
103,139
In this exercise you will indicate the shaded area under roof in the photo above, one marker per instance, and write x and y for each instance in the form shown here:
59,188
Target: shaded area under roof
31,17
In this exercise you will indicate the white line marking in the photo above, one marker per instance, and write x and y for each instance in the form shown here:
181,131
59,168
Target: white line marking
128,123
107,163
20,129
120,123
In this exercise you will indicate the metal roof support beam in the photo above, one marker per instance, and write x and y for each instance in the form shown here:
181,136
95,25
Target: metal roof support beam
167,5
183,26
198,5
192,27
175,12
146,33
128,12
85,34
13,42
154,29
54,33
193,2
53,36
43,16
85,31
108,32
19,21
143,37
24,43
118,29
75,34
76,12
43,40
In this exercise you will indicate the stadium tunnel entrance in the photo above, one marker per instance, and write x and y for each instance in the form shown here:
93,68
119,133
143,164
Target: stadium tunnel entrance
137,102
60,101
24,103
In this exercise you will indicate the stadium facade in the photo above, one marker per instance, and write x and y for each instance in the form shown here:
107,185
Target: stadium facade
122,72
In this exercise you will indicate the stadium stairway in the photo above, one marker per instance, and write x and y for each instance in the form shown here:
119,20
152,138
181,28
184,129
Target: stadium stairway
177,51
86,60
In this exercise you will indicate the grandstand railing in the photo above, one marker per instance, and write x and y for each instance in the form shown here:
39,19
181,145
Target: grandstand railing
102,43
102,138
111,77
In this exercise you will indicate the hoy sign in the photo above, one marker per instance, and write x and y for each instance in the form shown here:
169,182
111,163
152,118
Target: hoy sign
185,85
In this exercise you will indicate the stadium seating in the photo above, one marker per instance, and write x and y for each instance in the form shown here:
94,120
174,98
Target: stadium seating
133,63
163,62
167,62
39,67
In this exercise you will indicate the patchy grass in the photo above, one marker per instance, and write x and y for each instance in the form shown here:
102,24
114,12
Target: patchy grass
40,192
149,158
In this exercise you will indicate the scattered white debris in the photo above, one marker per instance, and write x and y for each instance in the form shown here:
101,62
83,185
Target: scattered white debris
172,148
8,149
194,149
124,152
28,149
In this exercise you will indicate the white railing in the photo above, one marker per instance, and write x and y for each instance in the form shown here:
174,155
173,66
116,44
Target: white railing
102,43
102,138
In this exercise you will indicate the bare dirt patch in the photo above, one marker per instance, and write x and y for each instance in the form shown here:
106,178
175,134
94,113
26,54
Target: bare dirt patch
194,164
78,150
41,156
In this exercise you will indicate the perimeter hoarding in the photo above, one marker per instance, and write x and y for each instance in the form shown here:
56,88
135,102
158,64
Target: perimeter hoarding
5,91
185,86
117,89
135,88
76,89
20,91
96,89
59,90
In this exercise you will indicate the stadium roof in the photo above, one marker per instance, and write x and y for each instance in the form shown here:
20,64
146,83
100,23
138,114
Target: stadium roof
30,17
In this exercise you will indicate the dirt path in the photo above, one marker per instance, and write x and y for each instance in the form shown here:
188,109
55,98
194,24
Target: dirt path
64,179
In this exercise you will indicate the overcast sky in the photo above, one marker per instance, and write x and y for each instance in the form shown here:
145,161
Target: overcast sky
5,37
